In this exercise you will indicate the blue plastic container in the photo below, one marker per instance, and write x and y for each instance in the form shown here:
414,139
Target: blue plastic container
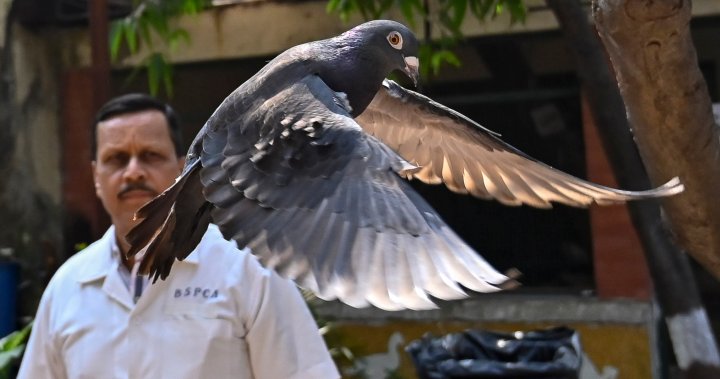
8,297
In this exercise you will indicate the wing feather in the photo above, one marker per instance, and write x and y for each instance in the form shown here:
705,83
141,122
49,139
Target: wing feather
341,219
440,141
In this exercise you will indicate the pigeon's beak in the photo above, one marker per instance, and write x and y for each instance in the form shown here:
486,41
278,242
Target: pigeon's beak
411,69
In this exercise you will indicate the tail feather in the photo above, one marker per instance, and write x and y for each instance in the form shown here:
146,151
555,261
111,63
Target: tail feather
173,224
154,215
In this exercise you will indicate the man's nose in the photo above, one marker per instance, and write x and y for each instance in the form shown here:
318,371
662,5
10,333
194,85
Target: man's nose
135,170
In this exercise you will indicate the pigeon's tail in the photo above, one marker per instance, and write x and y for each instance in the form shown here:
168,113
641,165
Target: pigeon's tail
172,224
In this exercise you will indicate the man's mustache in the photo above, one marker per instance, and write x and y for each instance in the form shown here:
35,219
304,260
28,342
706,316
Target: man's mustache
136,187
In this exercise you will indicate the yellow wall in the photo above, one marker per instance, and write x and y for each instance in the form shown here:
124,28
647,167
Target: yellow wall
625,347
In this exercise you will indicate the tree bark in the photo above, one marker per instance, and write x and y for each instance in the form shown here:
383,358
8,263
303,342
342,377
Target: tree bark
669,108
668,105
677,294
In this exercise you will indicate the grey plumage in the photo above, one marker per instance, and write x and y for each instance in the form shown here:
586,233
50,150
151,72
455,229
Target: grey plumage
304,163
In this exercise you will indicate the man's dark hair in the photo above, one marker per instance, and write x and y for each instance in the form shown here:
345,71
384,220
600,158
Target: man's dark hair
136,102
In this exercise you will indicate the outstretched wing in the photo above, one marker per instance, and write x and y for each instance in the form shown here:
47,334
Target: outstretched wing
298,181
452,149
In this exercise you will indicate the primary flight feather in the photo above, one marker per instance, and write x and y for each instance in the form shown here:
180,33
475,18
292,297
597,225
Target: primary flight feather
305,164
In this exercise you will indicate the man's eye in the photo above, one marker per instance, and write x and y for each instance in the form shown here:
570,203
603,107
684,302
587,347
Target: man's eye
115,159
151,156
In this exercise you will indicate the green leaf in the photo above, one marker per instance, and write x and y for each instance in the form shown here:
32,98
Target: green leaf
451,58
131,36
518,10
7,358
482,8
192,7
116,34
156,19
443,56
145,33
332,6
425,56
383,7
16,338
11,349
167,73
159,72
409,8
177,36
154,66
406,9
459,10
343,7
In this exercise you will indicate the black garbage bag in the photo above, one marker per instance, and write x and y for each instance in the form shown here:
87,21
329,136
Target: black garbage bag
550,353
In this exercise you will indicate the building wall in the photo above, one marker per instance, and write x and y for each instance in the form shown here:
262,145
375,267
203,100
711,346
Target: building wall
616,336
30,193
36,86
241,30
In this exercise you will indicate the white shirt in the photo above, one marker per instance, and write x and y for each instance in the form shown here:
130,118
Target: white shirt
218,315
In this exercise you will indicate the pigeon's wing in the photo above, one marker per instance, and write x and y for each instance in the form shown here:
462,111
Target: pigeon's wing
452,149
298,181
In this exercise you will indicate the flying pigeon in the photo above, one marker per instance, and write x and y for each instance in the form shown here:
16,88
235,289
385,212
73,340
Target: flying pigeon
305,163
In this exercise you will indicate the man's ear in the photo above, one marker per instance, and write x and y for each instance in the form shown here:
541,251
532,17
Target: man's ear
93,164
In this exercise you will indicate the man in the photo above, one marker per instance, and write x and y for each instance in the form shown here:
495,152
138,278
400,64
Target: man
218,315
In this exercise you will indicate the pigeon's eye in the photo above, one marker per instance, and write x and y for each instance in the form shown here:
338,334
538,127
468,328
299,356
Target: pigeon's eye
395,40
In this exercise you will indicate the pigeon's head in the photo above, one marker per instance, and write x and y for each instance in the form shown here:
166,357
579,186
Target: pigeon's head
391,44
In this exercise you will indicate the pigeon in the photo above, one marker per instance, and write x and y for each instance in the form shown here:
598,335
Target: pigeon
306,164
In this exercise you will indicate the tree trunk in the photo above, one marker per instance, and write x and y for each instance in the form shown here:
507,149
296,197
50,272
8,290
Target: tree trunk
675,289
669,108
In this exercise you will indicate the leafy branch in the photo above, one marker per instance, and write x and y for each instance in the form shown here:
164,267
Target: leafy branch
148,22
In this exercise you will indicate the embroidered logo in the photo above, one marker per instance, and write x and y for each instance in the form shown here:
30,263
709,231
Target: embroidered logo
207,293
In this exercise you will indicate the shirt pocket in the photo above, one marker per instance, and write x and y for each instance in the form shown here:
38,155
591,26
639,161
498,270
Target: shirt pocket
201,341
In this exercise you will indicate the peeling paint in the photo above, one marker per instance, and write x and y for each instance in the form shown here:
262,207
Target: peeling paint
701,346
4,9
35,78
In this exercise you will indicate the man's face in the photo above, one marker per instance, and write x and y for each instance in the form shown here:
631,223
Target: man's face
135,161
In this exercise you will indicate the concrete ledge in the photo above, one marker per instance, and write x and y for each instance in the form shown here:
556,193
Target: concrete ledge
509,308
261,28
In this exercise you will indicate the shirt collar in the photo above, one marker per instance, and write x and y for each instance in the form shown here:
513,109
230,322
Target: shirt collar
100,259
104,255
